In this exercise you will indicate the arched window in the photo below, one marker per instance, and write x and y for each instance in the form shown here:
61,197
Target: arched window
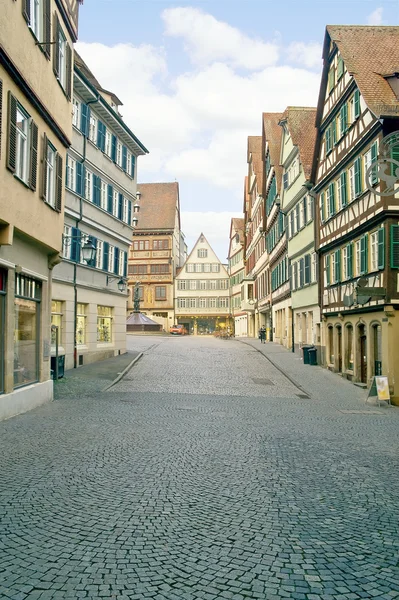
377,350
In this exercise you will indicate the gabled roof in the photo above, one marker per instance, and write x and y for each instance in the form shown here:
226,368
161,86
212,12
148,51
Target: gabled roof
255,149
273,133
159,203
301,123
369,53
205,241
237,226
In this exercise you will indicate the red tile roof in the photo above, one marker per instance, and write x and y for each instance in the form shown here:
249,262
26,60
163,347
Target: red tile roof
158,205
301,123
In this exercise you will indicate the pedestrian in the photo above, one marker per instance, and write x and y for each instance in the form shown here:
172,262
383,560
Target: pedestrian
262,335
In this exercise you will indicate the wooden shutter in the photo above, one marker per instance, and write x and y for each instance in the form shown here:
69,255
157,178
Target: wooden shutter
363,254
374,178
343,119
56,55
337,274
395,157
68,72
110,195
124,158
105,255
116,260
58,183
113,148
301,272
349,265
124,264
26,10
47,28
79,179
394,246
1,111
322,207
120,206
34,137
340,67
12,133
285,180
75,244
327,266
43,192
133,165
381,248
307,268
344,197
358,180
332,199
357,104
85,119
129,213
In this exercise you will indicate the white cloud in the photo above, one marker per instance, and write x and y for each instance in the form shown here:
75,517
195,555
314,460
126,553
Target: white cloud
307,55
375,18
214,225
208,40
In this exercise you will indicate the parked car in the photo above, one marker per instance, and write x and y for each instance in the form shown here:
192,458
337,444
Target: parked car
178,330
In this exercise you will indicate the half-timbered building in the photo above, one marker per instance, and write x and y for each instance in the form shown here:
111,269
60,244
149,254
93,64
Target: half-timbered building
296,156
356,183
276,239
236,275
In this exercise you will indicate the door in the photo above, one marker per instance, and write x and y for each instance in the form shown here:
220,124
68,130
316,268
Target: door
363,354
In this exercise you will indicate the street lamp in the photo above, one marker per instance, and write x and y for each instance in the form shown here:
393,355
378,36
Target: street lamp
121,282
135,221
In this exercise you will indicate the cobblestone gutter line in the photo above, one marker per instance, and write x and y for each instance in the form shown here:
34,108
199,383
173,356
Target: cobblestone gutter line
123,373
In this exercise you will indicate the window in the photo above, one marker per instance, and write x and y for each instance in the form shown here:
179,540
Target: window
160,244
160,292
192,284
56,319
181,303
202,303
223,302
212,302
119,153
190,268
341,188
71,173
349,348
202,253
125,216
88,185
192,302
108,143
111,258
141,245
35,17
93,129
115,203
202,284
156,269
181,284
50,175
81,324
26,330
104,324
314,268
22,144
375,250
345,263
358,258
352,183
100,254
328,140
76,113
129,163
207,268
215,267
103,195
66,251
340,67
61,52
137,269
122,261
343,119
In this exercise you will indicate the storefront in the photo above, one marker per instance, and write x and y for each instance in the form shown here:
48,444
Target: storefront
26,330
3,281
201,325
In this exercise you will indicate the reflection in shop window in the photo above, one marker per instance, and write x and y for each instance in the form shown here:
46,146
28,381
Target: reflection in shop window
56,319
349,347
26,332
81,323
104,324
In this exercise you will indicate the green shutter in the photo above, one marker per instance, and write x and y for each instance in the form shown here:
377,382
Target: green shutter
322,207
349,265
332,199
328,140
363,254
394,246
337,274
343,119
12,133
344,197
331,79
357,104
374,178
340,67
334,132
358,178
328,279
381,248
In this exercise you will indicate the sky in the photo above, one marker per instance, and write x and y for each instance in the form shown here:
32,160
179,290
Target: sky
195,76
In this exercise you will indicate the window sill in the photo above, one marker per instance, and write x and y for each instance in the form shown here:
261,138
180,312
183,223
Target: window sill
24,183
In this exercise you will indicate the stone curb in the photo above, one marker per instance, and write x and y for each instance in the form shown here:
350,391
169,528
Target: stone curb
130,365
295,383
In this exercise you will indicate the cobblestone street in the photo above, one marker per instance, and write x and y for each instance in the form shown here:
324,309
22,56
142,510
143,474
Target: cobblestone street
205,473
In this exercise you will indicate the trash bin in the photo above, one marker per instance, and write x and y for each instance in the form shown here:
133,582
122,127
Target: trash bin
305,350
312,352
61,366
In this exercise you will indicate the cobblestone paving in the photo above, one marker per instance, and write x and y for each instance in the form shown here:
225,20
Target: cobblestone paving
190,481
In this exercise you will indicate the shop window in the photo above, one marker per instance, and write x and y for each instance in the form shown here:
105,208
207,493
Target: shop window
2,325
81,319
349,347
330,345
56,319
26,333
104,324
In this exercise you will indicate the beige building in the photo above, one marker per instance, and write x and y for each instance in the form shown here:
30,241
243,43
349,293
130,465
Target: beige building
236,274
202,292
89,297
296,156
157,251
36,40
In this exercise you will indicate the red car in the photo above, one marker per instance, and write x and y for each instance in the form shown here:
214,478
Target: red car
178,330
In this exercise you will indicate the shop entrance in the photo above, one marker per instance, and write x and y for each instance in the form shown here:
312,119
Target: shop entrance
363,353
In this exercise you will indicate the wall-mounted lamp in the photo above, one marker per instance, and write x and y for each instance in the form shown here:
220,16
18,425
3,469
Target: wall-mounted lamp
136,208
89,250
122,282
135,221
138,195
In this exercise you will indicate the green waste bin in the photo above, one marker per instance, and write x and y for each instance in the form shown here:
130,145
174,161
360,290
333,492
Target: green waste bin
312,352
61,366
305,350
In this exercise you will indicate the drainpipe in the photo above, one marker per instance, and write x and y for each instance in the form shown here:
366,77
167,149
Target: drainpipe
75,287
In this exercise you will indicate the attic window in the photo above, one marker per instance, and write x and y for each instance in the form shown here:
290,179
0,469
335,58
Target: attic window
237,238
393,80
202,239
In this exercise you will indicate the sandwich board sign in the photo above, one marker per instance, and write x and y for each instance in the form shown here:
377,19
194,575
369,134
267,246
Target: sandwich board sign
380,388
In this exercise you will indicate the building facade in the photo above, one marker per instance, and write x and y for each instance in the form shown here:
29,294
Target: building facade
158,250
36,48
202,292
236,275
297,205
89,298
357,185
